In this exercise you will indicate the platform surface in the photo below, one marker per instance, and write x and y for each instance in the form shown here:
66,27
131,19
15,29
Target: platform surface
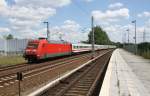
127,75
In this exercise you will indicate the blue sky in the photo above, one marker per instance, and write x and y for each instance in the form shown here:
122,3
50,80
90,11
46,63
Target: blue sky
70,19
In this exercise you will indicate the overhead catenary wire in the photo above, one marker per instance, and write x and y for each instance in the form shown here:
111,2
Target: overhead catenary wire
92,25
80,7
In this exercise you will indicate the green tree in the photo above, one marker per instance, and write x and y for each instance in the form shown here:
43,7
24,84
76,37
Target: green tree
101,36
9,36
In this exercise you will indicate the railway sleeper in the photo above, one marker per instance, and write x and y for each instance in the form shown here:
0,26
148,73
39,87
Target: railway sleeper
75,93
76,88
84,85
81,87
64,82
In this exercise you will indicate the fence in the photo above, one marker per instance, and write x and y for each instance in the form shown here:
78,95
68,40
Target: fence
12,47
143,49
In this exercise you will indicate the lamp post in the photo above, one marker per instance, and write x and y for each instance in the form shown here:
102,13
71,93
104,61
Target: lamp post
144,32
48,32
135,36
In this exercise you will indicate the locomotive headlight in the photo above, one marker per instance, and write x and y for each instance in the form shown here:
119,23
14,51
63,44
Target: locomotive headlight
34,50
27,51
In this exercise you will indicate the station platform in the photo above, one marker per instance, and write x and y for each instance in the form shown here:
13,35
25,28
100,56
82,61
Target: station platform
126,75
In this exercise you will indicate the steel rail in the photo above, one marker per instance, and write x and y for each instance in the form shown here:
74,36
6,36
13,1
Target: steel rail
27,74
72,84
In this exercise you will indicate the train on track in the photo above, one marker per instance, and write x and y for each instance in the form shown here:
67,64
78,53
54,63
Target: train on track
42,49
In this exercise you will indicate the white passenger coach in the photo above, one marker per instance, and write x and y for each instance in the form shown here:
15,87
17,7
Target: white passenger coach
87,47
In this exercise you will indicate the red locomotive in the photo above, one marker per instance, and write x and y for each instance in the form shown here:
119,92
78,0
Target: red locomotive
41,49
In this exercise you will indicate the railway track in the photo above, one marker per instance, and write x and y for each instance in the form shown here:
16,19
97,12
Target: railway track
41,73
26,73
12,67
26,64
9,70
9,78
83,82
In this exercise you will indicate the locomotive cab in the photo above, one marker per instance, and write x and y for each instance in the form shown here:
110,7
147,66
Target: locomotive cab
31,51
42,49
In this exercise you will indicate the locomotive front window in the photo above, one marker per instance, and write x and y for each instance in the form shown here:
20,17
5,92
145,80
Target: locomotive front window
32,45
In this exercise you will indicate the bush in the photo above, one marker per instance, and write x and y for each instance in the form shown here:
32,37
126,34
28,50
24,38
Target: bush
144,49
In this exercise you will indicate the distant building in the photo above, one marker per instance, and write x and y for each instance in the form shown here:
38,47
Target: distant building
13,46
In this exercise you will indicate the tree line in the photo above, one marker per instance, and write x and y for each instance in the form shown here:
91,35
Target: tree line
100,36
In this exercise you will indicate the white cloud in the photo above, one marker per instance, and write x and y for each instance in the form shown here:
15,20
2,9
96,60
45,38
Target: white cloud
2,3
110,15
115,5
114,32
140,29
88,0
3,29
69,30
147,23
109,20
27,13
24,19
18,17
144,14
70,26
46,3
119,32
25,16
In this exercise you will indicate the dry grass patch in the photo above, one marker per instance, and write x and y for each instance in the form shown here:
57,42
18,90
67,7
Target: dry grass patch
11,60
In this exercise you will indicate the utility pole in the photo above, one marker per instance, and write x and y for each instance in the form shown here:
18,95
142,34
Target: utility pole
144,35
128,35
60,37
122,40
93,40
48,32
135,36
125,40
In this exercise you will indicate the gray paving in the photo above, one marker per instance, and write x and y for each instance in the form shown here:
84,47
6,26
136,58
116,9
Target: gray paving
140,66
123,80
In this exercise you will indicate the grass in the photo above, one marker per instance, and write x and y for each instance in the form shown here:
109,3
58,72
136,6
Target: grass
146,54
11,60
